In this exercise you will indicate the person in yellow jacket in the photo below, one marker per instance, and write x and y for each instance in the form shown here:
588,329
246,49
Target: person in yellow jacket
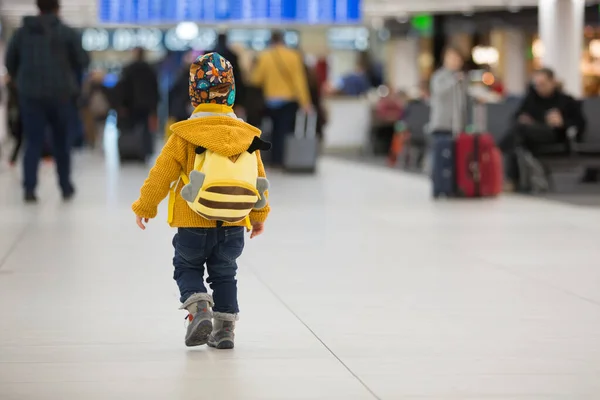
281,74
200,242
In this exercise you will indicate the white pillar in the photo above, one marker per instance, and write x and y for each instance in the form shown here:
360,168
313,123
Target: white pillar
3,95
561,32
514,62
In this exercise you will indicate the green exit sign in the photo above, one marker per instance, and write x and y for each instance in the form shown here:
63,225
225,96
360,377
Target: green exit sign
422,23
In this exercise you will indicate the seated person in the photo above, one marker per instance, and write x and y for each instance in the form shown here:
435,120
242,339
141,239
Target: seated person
389,108
543,117
388,111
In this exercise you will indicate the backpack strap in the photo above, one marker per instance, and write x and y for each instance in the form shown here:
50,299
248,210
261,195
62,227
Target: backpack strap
172,194
183,178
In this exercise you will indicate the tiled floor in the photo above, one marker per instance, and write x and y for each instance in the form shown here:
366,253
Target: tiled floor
361,288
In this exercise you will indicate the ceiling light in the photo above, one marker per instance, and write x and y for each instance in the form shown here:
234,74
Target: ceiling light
485,55
595,48
186,30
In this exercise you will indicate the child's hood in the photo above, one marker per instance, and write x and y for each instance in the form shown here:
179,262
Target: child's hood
222,134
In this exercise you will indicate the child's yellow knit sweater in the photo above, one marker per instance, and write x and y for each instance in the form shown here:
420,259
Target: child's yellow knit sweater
221,134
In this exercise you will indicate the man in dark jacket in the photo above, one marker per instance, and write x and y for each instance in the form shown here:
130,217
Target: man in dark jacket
44,57
545,116
138,96
240,86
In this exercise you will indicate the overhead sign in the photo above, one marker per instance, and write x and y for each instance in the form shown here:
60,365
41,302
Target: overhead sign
217,11
152,39
122,39
348,38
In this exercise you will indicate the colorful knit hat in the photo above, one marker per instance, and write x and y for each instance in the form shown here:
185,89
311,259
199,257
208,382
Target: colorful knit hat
211,81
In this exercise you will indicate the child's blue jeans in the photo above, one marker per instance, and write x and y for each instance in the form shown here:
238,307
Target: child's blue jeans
218,249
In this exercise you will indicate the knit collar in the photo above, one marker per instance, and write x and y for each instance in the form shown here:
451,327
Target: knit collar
213,108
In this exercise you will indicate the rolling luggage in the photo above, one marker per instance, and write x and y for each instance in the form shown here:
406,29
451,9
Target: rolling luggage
479,171
477,163
479,167
301,149
442,175
132,143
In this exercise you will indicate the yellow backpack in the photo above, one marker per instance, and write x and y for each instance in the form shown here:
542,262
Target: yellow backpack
226,189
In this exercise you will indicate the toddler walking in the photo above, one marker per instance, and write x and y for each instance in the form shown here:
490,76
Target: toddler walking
212,171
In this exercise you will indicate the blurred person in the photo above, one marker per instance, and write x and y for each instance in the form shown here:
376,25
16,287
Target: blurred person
498,87
45,58
222,47
448,95
95,105
544,116
389,108
372,69
356,83
77,130
179,97
422,92
280,74
76,120
15,124
447,100
388,111
321,72
255,107
316,99
138,97
204,238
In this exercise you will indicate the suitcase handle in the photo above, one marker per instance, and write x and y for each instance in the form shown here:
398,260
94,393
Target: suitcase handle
306,125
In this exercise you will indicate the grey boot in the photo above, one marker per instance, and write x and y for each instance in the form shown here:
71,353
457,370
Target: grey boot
222,336
200,318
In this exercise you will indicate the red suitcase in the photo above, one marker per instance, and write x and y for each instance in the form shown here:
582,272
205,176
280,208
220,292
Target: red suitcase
479,171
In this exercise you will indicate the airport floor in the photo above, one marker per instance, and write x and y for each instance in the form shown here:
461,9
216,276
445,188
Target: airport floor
361,288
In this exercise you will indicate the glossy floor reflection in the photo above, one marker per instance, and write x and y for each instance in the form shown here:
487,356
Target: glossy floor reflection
361,288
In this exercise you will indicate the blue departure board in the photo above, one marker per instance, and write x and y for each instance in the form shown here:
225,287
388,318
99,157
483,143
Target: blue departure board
146,12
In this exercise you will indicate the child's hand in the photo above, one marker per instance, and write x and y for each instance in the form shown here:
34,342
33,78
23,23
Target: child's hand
140,222
257,229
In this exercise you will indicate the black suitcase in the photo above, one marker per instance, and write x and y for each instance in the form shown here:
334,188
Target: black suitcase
443,174
132,143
